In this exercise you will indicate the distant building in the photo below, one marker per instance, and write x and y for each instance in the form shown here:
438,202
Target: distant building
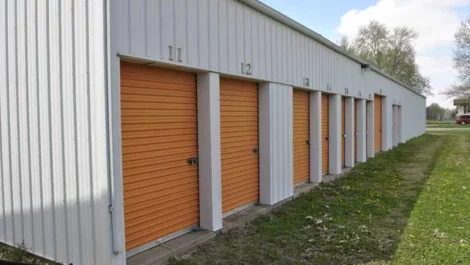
463,106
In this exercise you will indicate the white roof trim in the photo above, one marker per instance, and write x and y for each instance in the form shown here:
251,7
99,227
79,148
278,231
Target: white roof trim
269,11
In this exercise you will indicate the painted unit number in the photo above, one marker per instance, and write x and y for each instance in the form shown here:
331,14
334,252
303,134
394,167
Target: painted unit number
247,69
306,82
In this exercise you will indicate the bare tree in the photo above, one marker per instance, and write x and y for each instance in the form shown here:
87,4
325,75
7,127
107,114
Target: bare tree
372,43
461,61
344,43
391,51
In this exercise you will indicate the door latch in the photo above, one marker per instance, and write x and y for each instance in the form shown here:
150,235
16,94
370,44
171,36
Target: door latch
326,138
193,161
308,142
256,150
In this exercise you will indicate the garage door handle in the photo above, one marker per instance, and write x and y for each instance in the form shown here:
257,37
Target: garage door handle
193,161
256,150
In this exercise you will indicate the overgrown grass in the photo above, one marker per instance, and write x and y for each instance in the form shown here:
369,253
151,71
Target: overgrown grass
406,206
19,254
354,220
439,228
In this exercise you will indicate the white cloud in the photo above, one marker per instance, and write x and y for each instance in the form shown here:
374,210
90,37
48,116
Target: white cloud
436,22
435,65
441,73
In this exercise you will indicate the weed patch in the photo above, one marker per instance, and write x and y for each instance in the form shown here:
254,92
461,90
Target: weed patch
355,220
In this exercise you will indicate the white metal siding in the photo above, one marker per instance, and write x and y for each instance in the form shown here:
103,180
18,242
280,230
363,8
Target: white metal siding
53,151
53,159
276,143
219,35
413,106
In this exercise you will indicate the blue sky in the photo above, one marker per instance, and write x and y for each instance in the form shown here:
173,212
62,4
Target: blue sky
321,16
435,21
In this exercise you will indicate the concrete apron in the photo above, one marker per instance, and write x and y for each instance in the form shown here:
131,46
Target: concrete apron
160,254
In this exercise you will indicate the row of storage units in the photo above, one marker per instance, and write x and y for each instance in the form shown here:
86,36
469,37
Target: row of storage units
124,124
159,116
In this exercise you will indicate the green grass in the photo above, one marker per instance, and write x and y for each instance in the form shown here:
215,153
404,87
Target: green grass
439,228
440,122
355,220
19,254
447,125
406,206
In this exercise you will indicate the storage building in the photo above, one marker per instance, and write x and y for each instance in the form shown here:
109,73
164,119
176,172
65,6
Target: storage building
125,124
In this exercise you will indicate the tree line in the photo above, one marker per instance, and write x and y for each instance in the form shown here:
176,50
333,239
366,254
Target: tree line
392,51
435,112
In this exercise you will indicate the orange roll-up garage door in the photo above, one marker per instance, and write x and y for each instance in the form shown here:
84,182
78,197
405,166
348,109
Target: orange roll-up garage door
239,143
343,130
325,124
377,123
301,137
159,134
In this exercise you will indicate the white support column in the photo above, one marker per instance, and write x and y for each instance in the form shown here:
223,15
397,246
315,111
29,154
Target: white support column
315,138
386,124
370,129
394,125
276,147
335,134
349,126
361,131
210,183
400,124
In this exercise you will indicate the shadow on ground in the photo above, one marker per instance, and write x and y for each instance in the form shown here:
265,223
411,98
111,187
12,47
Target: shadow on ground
357,219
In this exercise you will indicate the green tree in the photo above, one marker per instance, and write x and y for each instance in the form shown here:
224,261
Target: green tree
461,62
390,51
435,112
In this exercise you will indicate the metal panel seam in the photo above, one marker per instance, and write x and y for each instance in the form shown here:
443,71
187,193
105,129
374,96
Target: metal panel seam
267,10
20,173
2,174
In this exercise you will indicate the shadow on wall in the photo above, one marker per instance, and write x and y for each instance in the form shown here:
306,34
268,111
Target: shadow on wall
78,234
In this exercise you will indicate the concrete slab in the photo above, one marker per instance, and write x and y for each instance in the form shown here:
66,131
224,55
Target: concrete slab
161,254
330,178
305,188
346,171
152,256
243,217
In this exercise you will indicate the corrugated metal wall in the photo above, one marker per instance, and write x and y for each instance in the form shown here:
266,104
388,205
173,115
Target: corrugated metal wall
53,168
276,143
413,106
53,160
219,35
